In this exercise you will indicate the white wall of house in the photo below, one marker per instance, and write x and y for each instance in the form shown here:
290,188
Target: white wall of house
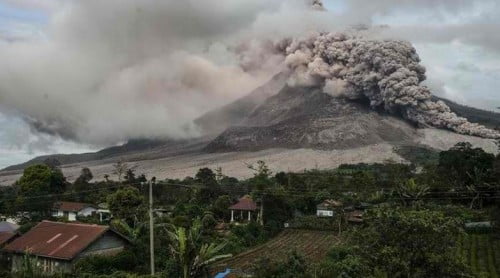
71,216
57,213
324,213
88,211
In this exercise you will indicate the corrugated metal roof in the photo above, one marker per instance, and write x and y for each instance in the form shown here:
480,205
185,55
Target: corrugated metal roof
6,236
57,240
245,203
71,206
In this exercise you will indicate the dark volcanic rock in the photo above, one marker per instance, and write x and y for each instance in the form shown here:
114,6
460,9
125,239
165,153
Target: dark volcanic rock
308,118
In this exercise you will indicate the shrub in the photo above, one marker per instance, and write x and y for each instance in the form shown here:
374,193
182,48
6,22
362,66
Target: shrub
294,266
125,261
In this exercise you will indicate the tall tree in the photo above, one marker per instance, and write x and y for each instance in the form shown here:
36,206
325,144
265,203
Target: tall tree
459,164
82,184
38,188
127,204
206,177
119,169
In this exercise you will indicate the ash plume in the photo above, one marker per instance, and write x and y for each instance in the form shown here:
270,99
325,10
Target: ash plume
385,72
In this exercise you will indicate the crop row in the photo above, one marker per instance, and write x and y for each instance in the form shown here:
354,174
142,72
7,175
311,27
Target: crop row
312,244
482,253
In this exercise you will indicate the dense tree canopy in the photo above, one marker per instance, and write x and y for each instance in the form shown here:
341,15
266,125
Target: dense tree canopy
408,243
127,204
37,188
461,164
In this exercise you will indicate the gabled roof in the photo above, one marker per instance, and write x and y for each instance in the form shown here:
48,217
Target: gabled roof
6,236
71,206
57,240
245,203
329,204
8,227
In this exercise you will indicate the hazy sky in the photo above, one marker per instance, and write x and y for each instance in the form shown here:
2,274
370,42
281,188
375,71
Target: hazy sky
457,40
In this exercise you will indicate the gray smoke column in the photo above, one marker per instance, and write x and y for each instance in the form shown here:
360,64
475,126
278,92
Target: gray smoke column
386,72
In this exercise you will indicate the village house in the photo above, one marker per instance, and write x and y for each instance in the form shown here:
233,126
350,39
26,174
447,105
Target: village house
56,246
70,210
244,210
355,216
327,208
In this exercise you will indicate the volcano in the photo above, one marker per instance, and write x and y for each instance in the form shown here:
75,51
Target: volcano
291,128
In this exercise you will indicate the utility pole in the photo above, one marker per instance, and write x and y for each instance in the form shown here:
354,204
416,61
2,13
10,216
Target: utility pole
151,231
262,210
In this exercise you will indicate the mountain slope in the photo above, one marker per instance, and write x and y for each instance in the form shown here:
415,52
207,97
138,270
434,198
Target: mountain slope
231,114
308,118
276,116
489,119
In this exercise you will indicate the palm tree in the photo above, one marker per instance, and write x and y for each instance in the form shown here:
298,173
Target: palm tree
191,254
412,191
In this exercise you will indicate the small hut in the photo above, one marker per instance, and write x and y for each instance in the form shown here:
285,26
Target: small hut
327,208
243,210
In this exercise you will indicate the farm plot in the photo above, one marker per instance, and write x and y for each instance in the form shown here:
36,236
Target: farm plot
482,253
312,244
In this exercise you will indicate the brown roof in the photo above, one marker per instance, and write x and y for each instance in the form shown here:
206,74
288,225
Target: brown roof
245,203
57,240
71,206
6,236
329,204
355,216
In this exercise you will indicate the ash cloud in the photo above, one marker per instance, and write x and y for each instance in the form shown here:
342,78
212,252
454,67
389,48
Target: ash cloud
108,71
386,72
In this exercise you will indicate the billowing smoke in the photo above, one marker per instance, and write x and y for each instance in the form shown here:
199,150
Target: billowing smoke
385,72
107,71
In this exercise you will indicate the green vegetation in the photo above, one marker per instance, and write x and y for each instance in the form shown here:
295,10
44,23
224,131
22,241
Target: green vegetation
482,253
411,223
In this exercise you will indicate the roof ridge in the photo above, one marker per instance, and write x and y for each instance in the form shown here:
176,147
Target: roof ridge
75,224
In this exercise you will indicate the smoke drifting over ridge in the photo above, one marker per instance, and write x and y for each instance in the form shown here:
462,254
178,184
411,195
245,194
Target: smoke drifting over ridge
386,72
118,69
108,71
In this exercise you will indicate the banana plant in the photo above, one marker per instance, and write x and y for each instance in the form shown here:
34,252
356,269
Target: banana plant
412,191
189,251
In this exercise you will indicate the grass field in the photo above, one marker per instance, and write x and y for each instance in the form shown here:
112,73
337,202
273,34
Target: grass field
312,244
482,254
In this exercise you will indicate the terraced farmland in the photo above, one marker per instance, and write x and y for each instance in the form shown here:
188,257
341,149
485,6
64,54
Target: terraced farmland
482,254
312,244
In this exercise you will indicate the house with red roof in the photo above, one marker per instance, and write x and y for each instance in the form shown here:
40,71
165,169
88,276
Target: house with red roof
56,246
70,210
244,210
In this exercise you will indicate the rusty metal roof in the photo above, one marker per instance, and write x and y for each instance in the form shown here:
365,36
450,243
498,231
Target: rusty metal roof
245,203
6,237
71,206
57,240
